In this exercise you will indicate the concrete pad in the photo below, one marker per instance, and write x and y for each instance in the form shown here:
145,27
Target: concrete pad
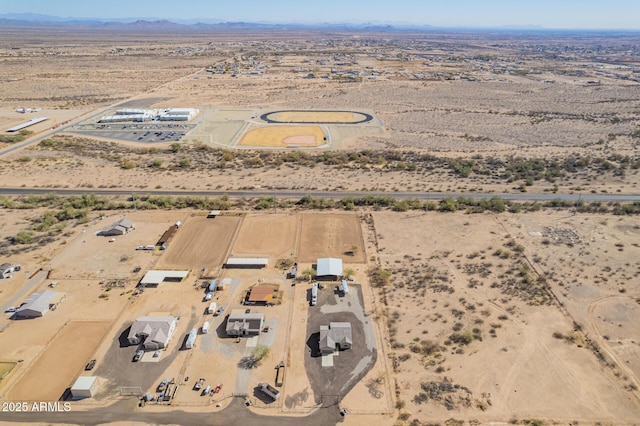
327,360
252,342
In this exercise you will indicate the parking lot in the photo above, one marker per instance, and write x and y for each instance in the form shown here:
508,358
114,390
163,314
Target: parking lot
142,132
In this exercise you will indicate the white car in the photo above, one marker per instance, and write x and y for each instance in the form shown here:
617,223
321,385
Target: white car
11,310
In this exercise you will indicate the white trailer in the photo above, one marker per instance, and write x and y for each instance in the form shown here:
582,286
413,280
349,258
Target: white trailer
191,339
212,308
205,327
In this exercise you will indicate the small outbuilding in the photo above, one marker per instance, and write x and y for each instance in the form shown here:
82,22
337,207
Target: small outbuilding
335,337
84,387
329,268
213,214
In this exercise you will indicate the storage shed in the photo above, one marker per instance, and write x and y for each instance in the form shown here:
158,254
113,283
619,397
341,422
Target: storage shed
84,387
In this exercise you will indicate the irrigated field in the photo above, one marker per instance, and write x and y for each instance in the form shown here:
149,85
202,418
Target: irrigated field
60,362
331,235
201,242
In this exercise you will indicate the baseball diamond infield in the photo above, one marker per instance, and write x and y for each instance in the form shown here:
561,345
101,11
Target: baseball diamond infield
283,136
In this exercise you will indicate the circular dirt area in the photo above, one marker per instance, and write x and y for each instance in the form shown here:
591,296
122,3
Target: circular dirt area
316,117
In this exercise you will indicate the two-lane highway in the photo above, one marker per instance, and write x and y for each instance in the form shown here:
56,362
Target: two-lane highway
294,194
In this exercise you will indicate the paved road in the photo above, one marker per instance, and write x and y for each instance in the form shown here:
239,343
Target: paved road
47,133
235,414
330,194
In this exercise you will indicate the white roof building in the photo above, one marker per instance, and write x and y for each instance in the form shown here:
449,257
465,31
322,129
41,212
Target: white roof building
329,266
84,387
247,262
37,304
153,332
155,277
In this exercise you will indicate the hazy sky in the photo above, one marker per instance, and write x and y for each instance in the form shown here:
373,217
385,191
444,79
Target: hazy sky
603,14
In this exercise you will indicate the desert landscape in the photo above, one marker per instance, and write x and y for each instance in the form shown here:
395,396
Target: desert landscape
479,189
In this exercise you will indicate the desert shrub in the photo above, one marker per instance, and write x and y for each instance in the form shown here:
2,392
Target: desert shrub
23,237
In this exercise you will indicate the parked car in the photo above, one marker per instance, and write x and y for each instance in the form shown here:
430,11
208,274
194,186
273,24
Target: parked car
138,355
90,365
219,311
11,309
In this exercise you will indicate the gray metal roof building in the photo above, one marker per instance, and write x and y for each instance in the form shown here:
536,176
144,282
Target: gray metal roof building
27,124
37,304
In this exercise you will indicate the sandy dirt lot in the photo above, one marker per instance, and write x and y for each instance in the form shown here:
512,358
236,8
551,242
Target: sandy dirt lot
267,235
201,242
451,279
61,361
330,235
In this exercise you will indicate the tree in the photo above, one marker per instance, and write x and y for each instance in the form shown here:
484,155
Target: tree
309,273
353,250
348,272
